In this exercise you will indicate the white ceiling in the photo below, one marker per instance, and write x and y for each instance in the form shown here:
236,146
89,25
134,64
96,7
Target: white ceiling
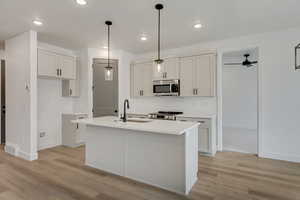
71,26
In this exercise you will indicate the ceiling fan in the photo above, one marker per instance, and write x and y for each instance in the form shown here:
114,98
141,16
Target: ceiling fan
246,63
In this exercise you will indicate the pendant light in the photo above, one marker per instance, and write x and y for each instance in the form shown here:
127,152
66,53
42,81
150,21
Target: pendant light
108,70
159,61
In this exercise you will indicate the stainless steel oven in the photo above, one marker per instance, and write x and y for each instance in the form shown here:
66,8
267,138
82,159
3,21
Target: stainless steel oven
166,88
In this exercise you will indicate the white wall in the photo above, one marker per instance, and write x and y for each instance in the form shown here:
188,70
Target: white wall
51,105
85,102
278,94
21,95
239,95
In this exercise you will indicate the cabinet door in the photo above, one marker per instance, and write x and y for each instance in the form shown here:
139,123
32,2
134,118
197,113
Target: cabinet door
68,67
187,76
147,88
137,80
205,78
48,63
171,68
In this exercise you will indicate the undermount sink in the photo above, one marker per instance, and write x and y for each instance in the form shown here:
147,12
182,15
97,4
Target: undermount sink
135,120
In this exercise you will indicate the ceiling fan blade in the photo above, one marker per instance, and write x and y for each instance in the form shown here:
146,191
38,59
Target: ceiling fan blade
254,62
233,63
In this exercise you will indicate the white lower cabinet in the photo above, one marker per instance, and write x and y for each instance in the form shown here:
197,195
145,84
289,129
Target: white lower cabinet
72,133
207,140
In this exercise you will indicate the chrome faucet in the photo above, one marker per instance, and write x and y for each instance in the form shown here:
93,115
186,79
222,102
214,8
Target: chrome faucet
124,118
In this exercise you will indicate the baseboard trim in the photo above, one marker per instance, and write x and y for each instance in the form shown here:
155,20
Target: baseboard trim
14,150
276,156
236,150
47,146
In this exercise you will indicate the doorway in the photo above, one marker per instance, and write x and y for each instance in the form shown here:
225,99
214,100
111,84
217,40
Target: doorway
105,93
240,102
3,134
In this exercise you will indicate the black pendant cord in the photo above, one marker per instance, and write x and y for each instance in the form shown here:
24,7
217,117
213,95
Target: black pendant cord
158,7
158,45
108,23
108,46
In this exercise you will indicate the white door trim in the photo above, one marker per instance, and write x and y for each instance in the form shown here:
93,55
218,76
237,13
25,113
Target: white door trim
220,98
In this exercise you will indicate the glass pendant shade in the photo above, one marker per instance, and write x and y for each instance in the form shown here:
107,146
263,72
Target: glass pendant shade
109,73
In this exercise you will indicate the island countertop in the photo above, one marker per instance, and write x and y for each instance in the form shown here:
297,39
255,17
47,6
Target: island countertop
146,125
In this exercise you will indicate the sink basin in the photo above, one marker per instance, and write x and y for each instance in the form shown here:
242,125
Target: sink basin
138,120
134,120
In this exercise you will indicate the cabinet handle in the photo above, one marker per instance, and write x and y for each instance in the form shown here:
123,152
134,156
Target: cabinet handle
57,72
60,72
77,126
166,74
142,92
70,92
193,91
196,91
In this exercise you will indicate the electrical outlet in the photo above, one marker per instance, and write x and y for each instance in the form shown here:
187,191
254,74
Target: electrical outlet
42,134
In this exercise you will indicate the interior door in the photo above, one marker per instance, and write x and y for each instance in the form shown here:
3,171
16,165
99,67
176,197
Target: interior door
68,67
3,102
105,93
187,76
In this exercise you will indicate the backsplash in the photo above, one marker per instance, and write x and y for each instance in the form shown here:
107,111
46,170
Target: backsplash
188,105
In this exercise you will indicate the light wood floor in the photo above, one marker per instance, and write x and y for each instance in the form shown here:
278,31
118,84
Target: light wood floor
59,174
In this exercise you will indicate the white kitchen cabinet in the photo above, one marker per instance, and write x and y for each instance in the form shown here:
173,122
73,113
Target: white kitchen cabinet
71,88
68,67
141,79
48,63
207,140
51,64
169,70
197,75
72,133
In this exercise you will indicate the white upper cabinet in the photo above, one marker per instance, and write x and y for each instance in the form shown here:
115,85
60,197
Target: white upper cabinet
68,67
169,70
197,75
141,84
48,63
187,76
51,64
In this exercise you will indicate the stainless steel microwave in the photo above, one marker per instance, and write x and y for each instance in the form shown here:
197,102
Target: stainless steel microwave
166,88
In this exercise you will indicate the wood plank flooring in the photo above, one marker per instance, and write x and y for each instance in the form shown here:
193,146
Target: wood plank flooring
59,174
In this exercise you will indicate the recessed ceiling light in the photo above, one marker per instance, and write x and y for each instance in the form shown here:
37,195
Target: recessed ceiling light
144,38
37,22
198,25
81,2
105,47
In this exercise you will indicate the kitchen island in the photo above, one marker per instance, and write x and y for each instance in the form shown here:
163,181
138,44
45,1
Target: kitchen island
156,152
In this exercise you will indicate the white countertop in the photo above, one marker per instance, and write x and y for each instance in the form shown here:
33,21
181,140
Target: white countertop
156,126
